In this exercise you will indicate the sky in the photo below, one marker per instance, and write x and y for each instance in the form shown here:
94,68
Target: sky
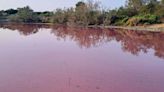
43,5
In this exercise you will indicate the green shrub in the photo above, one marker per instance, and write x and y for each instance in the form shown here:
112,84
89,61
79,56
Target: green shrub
122,22
149,18
143,19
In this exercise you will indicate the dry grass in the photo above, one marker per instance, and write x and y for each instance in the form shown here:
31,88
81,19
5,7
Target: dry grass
156,26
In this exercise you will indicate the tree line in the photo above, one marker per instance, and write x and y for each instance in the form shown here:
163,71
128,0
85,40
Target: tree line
133,13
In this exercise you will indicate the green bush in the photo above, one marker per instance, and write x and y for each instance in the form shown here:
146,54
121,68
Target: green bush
148,18
122,22
142,19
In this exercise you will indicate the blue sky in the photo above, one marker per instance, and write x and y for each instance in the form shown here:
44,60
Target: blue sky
43,5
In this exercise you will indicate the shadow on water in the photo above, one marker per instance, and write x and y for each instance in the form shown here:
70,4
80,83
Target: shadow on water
134,42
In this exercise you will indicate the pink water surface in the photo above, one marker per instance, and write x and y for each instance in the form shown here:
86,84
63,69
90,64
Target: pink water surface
37,58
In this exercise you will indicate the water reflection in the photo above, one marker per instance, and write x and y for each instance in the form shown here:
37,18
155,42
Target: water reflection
134,42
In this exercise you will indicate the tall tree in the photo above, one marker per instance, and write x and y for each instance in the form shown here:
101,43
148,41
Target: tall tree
59,16
70,16
81,13
25,14
11,11
135,4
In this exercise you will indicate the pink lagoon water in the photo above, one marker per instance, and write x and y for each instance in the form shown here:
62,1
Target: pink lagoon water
46,58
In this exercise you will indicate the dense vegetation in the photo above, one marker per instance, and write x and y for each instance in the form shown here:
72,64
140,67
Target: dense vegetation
134,12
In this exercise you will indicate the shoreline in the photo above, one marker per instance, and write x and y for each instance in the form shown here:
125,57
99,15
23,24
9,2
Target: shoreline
149,28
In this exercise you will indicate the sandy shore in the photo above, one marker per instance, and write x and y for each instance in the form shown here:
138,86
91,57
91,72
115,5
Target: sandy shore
156,26
151,28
